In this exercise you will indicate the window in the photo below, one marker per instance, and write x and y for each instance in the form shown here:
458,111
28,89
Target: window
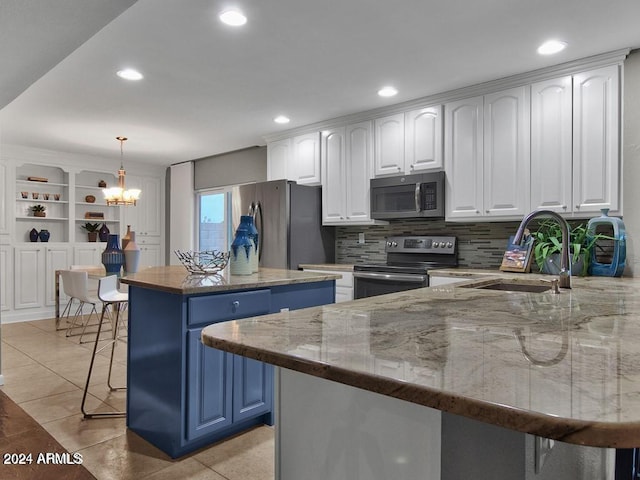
214,228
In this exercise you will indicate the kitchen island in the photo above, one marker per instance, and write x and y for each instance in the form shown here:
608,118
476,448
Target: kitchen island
182,396
452,382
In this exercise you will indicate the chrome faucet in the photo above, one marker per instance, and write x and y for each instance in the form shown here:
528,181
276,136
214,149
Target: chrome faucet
565,263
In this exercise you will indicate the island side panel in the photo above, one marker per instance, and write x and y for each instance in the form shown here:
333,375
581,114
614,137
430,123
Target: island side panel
330,430
156,360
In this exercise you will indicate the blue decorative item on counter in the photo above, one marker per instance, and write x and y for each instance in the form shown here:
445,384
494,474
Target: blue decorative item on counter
113,257
242,252
252,233
608,257
33,235
44,235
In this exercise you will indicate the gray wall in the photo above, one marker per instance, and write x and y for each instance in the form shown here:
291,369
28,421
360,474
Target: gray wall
242,166
631,160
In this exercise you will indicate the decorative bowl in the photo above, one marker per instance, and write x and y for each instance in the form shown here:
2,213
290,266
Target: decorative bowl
90,199
206,262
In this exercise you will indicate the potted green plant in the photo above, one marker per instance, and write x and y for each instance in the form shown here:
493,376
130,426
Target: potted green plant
548,245
92,230
39,210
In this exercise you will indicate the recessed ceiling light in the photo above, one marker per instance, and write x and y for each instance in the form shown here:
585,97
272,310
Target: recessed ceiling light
130,74
235,18
281,119
550,47
387,91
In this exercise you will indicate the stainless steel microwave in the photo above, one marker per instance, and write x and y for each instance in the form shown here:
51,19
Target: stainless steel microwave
408,196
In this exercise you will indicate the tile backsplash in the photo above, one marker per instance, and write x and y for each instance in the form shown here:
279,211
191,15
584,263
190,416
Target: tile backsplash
480,245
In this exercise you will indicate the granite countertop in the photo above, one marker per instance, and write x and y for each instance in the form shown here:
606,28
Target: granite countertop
336,267
176,279
565,366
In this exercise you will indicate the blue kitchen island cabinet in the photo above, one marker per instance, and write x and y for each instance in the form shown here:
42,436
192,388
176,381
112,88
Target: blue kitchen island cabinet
182,395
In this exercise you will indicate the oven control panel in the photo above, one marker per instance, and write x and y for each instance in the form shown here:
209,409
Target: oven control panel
421,244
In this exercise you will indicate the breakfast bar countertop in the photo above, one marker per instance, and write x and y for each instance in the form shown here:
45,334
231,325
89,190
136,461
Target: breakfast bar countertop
176,279
565,367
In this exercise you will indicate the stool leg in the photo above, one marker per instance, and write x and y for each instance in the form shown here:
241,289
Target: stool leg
86,387
114,336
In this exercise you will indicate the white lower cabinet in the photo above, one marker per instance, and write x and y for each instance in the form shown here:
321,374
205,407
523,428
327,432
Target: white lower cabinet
29,269
435,281
57,257
344,285
88,254
150,255
6,277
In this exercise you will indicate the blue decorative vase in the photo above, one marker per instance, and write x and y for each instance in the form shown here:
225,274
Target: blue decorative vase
33,235
44,235
113,256
103,233
252,233
242,252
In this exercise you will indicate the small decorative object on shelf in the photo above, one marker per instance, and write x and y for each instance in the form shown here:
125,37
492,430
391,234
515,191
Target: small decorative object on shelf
102,184
94,215
39,211
90,199
104,232
242,252
131,254
113,257
24,194
33,235
37,179
44,235
35,195
206,262
45,196
56,196
92,230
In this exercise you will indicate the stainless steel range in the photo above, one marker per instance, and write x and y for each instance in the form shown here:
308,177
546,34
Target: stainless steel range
408,261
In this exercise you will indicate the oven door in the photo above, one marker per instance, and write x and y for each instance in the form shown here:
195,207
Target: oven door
370,284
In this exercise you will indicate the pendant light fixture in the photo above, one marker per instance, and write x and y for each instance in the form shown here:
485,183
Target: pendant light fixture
119,195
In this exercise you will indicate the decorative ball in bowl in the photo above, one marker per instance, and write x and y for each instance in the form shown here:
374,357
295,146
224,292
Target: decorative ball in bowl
205,262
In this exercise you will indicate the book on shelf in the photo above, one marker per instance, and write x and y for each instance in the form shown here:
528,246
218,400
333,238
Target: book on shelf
98,215
517,258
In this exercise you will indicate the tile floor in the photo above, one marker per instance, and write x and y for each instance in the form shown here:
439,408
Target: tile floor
45,372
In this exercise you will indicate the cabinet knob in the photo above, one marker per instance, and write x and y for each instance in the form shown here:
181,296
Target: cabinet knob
477,211
235,304
577,207
411,166
564,207
398,168
486,211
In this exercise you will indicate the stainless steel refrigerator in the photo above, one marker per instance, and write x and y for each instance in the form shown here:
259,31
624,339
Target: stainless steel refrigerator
288,217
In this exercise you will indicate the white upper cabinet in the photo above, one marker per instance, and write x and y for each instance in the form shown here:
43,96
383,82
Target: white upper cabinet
551,123
596,137
296,158
278,159
305,161
409,142
389,144
145,217
423,139
507,152
487,155
463,152
346,172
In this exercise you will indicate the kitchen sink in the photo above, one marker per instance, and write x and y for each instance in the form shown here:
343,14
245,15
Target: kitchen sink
511,286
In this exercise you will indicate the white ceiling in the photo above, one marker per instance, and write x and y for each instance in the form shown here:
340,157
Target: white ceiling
210,88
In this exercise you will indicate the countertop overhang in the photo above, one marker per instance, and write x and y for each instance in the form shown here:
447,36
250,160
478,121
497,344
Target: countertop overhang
176,279
565,367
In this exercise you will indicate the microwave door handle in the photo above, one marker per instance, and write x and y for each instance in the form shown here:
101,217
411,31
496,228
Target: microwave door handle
417,197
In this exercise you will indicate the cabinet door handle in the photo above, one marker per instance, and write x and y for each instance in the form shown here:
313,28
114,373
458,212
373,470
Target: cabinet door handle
235,304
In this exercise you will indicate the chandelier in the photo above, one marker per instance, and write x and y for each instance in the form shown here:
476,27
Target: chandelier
119,195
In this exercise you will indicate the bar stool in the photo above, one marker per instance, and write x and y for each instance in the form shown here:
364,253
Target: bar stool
79,289
66,288
110,296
